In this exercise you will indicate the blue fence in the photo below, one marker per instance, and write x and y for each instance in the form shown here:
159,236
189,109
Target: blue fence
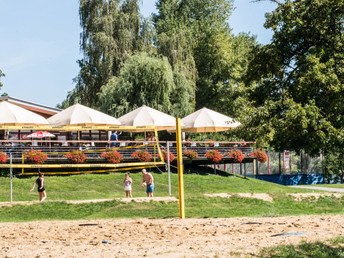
294,179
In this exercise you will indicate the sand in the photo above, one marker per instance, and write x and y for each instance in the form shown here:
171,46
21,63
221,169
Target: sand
162,237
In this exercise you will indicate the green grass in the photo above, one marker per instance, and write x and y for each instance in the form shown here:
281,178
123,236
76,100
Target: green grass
330,248
332,185
84,187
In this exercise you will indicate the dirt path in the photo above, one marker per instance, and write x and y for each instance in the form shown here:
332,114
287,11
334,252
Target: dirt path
328,189
162,237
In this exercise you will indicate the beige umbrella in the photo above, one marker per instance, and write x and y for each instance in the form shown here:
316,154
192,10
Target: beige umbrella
206,120
11,114
146,116
83,116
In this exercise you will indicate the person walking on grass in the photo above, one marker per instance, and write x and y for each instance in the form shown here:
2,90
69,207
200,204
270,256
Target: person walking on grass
127,185
147,180
40,187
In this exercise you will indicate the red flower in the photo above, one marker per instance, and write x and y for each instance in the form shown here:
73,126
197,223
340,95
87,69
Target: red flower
260,155
112,156
76,156
214,156
36,156
191,154
142,155
237,155
164,156
3,157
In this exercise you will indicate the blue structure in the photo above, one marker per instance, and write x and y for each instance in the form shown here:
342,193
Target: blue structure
293,179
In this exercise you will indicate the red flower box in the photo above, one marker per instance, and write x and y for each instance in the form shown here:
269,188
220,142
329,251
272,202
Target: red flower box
260,155
142,155
191,154
112,156
237,155
164,156
214,156
76,156
36,156
3,157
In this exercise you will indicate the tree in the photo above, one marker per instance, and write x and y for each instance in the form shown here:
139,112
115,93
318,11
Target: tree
1,75
112,31
196,35
296,83
147,80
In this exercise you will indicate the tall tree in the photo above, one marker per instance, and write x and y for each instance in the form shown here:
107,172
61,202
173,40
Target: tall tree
209,47
112,31
297,81
147,80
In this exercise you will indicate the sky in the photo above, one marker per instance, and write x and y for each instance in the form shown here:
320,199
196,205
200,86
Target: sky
39,43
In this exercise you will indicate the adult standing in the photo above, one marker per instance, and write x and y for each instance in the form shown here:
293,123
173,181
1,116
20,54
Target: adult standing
148,179
114,139
40,187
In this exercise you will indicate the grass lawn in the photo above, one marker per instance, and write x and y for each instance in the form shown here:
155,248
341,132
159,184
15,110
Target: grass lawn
333,185
331,248
84,187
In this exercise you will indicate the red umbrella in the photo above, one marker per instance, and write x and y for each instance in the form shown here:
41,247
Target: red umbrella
40,134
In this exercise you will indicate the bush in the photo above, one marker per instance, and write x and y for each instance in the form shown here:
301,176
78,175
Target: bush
164,156
142,155
76,156
191,154
112,156
214,155
260,155
36,156
237,155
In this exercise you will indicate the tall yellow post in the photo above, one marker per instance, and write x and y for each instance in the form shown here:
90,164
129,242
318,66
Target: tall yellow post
180,168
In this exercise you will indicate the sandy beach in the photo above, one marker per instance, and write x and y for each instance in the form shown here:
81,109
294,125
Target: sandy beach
162,237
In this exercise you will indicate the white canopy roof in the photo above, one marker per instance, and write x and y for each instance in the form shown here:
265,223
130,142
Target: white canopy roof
11,114
81,115
146,116
207,120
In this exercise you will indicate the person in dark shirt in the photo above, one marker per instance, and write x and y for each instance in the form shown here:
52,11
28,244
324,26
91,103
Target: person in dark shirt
40,187
114,139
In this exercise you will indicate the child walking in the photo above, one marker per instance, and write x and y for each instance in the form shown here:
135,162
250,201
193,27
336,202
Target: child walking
127,185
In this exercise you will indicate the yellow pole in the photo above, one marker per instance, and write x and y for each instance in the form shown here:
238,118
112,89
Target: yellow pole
180,168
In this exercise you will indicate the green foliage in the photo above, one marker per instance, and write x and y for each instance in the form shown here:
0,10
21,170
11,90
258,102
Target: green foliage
112,31
295,83
330,248
334,165
1,75
147,80
196,36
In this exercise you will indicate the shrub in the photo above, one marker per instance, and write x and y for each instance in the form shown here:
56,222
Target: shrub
214,156
3,157
237,155
36,156
260,155
76,156
142,155
191,154
164,156
112,156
